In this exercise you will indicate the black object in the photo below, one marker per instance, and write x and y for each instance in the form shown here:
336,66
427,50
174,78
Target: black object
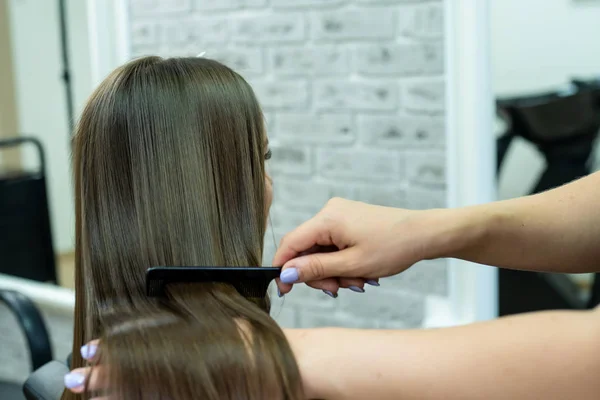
38,340
563,126
25,236
46,383
524,291
66,73
589,84
250,282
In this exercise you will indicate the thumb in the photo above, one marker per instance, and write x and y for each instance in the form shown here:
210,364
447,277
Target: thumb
318,266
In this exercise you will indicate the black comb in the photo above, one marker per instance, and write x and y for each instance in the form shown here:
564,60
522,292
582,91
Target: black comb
250,282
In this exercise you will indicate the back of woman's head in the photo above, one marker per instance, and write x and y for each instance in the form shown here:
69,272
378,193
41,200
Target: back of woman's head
169,171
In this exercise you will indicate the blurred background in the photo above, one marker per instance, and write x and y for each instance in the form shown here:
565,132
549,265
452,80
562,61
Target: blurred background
356,101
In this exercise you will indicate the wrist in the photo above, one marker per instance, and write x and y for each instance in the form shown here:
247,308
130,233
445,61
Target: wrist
458,233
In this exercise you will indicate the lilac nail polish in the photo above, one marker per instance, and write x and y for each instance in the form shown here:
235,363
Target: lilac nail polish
356,289
279,293
74,380
88,351
289,275
330,294
372,282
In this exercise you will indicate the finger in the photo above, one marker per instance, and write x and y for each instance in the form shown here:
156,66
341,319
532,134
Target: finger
96,378
75,380
283,288
318,249
315,267
354,284
372,282
313,232
329,286
90,350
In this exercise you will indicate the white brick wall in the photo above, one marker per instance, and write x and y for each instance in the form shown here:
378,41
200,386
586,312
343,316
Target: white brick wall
352,24
401,132
353,92
322,59
406,59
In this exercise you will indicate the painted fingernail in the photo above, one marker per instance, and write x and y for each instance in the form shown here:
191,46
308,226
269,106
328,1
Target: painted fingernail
74,380
290,275
372,282
330,294
88,351
356,289
279,293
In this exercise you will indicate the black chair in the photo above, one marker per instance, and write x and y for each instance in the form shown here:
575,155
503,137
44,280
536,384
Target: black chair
25,234
38,340
564,127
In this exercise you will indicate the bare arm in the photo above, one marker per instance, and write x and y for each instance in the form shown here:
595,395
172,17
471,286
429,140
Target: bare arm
549,355
555,231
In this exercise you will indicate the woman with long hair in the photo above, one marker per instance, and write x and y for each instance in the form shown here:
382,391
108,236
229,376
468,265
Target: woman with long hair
546,355
169,164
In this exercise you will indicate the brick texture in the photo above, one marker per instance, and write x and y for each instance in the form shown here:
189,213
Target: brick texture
354,99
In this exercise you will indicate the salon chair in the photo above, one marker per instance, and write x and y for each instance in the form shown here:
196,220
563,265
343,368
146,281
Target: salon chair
32,324
592,84
46,383
25,232
563,126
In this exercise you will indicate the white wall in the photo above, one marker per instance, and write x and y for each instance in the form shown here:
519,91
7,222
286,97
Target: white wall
41,95
539,45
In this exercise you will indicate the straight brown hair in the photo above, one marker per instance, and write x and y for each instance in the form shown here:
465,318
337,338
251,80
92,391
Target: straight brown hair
169,170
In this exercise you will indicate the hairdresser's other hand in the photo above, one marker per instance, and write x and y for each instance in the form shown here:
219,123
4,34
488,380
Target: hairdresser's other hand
371,241
95,377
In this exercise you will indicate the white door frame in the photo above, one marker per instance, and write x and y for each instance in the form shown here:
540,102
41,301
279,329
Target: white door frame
108,22
470,114
471,156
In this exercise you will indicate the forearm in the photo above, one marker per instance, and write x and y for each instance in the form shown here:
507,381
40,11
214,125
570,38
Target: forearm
555,231
552,355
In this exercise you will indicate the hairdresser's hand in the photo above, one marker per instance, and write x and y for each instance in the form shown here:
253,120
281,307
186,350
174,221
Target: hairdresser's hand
370,242
95,377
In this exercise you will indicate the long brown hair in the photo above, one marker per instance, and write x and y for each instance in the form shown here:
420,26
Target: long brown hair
169,171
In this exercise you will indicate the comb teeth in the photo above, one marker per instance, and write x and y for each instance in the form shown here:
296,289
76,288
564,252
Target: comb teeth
250,282
252,290
249,289
155,288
